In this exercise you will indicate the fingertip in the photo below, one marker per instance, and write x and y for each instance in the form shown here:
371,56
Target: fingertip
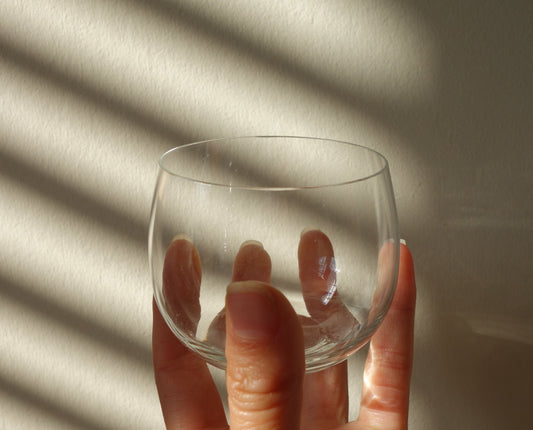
181,236
315,255
256,311
182,252
404,248
405,296
310,230
407,267
251,311
251,242
182,275
314,234
252,263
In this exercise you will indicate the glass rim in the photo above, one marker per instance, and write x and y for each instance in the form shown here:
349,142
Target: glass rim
172,172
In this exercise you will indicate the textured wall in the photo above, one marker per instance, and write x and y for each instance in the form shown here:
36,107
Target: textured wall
93,91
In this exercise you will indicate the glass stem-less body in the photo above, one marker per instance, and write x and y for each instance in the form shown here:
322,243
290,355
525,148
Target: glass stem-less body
324,213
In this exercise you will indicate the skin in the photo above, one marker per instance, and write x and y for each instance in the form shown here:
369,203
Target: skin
267,387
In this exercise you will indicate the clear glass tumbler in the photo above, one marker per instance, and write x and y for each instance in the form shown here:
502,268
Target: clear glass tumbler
324,213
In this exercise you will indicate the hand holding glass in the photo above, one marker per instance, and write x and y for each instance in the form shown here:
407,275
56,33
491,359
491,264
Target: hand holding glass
314,218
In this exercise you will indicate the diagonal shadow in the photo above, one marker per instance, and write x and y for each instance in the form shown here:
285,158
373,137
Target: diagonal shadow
47,406
65,317
68,196
93,96
45,183
376,108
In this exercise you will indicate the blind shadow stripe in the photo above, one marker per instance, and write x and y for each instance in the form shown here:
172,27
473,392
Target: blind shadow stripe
72,198
61,315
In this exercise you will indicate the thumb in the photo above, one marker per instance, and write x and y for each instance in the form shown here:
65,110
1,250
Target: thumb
265,355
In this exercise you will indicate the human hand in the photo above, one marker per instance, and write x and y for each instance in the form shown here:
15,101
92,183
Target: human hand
267,388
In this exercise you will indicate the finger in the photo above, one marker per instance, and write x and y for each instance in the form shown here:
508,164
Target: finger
182,378
318,278
265,354
182,274
385,277
325,401
385,397
188,396
326,392
252,263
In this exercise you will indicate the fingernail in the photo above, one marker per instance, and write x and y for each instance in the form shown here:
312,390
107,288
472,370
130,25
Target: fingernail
251,242
308,229
250,308
402,241
181,237
190,253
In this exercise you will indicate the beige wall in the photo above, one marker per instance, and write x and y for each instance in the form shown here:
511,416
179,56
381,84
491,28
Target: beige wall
91,92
